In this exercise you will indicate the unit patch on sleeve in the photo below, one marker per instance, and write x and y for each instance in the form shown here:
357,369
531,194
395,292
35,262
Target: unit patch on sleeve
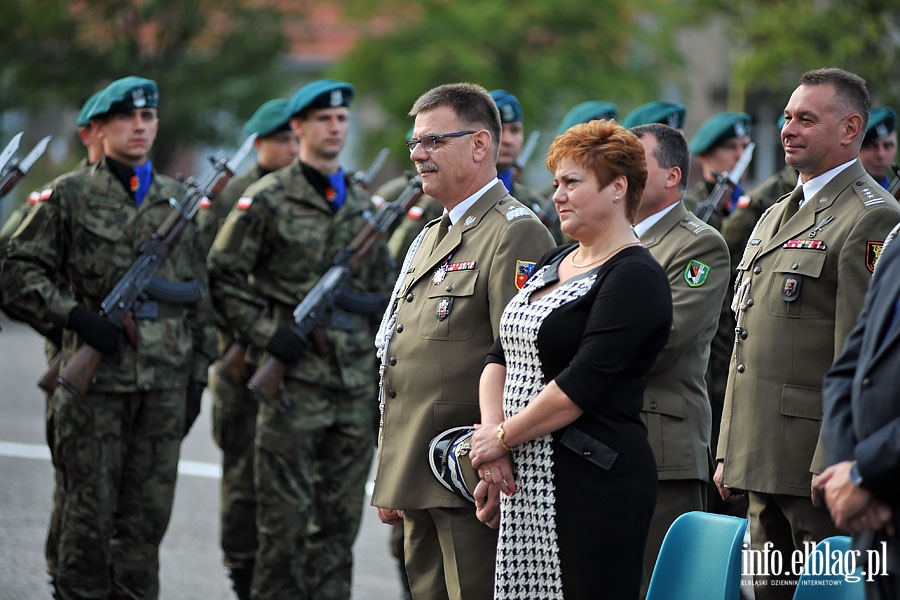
695,273
873,252
524,269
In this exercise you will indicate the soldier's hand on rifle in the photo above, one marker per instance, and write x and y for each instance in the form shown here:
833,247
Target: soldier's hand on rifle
192,405
286,345
95,330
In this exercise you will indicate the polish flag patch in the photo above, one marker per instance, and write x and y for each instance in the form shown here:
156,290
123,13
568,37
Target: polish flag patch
415,213
41,196
244,203
205,202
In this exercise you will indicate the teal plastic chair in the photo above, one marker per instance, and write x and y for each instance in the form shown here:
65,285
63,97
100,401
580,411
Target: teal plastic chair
700,559
814,585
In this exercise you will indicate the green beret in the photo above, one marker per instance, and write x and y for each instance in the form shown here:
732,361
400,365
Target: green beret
268,119
84,116
324,93
588,111
718,129
882,121
667,113
508,105
124,95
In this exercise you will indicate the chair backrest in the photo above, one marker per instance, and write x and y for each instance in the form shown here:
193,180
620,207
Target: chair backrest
832,556
700,559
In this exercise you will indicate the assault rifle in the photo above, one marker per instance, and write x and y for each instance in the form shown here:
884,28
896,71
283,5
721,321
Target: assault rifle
328,291
527,150
140,283
724,182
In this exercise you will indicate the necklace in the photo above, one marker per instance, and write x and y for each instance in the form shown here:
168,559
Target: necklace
599,260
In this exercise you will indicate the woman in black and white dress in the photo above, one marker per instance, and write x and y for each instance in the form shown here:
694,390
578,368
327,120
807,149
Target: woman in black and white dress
562,390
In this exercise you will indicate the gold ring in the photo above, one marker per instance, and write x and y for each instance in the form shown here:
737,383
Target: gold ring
487,474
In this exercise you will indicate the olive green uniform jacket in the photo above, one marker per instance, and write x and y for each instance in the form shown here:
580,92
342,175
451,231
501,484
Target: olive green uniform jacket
676,405
795,307
74,246
272,249
442,333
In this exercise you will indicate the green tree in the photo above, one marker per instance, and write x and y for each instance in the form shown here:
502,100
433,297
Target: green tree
777,40
551,54
211,59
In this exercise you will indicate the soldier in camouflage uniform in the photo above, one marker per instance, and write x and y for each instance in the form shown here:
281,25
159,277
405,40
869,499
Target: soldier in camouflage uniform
117,448
314,443
51,333
235,408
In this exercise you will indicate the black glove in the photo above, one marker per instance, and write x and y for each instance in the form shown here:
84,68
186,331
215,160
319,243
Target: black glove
55,337
286,346
95,330
192,405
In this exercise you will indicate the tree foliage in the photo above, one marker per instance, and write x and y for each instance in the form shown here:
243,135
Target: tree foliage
552,54
777,40
210,58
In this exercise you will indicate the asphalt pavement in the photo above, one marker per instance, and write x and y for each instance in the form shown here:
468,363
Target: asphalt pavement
190,559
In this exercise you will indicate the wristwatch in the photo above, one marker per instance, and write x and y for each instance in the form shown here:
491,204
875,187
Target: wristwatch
856,477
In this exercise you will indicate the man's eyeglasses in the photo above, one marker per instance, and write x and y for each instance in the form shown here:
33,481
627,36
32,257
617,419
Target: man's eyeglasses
429,142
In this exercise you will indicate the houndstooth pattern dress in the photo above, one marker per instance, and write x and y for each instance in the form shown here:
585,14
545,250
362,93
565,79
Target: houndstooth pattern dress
528,566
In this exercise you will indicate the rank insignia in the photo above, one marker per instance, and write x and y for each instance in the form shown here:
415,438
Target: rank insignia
524,269
790,287
695,273
873,252
444,306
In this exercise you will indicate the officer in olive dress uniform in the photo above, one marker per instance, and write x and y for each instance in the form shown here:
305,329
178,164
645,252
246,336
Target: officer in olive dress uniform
116,448
234,408
443,318
666,113
879,147
314,443
676,406
800,288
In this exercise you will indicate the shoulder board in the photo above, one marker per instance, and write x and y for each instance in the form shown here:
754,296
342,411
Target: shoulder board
870,195
694,225
513,211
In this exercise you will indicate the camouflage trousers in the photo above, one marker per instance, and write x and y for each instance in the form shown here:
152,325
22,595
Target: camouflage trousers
313,454
234,429
116,456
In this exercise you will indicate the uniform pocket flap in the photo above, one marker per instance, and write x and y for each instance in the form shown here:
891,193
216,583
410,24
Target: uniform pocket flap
455,283
590,448
802,402
803,261
106,229
664,402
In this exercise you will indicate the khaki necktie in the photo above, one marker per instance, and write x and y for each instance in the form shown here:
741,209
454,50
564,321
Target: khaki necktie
793,205
443,228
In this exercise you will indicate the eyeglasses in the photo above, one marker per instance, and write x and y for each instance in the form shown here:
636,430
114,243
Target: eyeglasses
429,142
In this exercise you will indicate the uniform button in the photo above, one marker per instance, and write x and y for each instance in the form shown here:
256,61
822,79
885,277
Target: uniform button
795,266
392,393
653,405
586,453
410,297
743,334
866,382
750,302
392,361
741,368
757,270
399,328
449,287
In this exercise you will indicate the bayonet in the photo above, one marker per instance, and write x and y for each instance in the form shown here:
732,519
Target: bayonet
18,169
725,182
364,178
10,149
527,149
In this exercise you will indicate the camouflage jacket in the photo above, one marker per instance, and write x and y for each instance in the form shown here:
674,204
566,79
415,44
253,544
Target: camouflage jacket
76,243
272,249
